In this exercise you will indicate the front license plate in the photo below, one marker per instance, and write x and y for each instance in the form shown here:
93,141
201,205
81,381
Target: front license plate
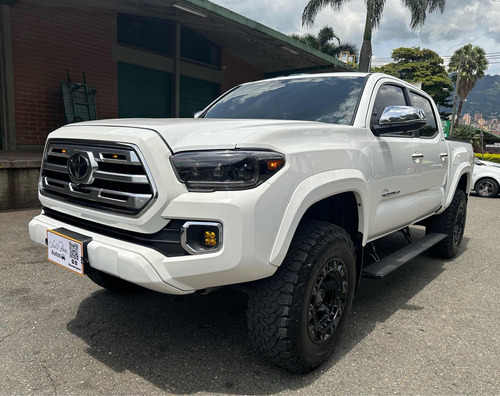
65,251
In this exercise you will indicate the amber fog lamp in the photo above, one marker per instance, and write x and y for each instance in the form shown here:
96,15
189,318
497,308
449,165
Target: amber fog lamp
201,237
210,239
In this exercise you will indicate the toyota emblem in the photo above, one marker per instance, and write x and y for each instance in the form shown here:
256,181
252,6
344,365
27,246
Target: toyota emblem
81,167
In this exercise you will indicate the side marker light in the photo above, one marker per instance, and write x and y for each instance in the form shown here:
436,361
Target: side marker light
273,165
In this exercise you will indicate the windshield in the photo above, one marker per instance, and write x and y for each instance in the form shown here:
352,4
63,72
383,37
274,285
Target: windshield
323,99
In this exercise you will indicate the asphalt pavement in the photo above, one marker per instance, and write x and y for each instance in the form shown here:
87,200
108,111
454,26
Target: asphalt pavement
430,328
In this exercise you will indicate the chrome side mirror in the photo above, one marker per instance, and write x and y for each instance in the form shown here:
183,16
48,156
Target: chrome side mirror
399,119
402,115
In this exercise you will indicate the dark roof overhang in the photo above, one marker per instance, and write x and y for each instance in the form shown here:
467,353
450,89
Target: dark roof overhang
268,50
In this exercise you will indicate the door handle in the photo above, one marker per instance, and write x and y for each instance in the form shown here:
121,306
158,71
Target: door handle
417,157
443,156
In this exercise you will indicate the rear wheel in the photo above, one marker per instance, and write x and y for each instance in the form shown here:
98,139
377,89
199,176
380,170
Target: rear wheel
296,316
112,283
486,188
452,223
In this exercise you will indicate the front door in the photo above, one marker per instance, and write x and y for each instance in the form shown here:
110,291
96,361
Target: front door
396,168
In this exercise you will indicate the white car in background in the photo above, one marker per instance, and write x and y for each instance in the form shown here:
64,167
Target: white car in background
486,178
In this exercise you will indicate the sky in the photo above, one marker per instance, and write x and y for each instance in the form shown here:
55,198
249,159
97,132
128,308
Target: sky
463,21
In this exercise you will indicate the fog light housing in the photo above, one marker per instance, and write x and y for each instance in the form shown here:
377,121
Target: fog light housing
199,237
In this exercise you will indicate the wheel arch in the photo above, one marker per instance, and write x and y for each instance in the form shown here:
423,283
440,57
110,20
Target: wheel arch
331,191
464,183
462,180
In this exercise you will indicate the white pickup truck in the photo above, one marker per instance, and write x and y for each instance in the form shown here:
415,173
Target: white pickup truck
279,187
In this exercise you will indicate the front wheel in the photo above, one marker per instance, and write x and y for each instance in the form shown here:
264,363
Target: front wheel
486,188
296,316
452,223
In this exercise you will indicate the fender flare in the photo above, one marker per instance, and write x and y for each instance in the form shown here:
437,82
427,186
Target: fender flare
462,169
314,189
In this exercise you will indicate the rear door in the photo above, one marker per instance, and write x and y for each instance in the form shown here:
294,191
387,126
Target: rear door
434,162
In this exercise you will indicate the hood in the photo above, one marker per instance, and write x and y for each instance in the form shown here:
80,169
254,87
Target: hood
206,134
489,163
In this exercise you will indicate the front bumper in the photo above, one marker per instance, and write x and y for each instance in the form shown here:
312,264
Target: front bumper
250,222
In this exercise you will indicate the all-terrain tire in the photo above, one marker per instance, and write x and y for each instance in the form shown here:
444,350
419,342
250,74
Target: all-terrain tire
112,283
295,317
452,223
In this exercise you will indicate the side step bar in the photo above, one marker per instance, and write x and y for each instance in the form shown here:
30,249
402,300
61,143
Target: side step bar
395,260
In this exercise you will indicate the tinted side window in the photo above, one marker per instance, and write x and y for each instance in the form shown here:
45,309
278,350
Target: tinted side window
388,95
430,129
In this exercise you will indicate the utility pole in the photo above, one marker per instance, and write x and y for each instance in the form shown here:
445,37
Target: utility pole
482,143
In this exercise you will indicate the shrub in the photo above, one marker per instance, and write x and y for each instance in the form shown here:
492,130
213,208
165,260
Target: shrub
489,157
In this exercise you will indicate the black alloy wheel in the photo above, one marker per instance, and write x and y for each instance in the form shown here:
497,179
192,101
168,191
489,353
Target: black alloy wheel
327,301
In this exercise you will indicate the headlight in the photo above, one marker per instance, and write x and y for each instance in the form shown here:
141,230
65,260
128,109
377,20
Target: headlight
226,170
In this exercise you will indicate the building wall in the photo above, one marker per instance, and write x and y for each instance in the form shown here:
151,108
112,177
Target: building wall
237,71
46,42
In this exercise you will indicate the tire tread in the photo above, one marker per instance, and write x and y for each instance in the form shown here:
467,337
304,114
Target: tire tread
275,303
444,224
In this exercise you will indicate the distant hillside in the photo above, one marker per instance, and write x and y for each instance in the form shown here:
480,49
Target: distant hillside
484,98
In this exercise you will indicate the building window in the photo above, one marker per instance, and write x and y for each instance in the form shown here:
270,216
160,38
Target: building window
147,33
199,49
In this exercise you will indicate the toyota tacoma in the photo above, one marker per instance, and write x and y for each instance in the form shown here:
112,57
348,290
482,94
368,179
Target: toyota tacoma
279,186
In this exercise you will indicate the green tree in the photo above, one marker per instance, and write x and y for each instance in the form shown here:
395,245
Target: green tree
325,42
374,10
469,63
420,65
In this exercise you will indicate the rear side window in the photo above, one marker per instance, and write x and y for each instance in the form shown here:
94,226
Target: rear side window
430,129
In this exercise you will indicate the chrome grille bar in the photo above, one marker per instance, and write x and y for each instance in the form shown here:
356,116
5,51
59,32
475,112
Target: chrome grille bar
119,177
120,182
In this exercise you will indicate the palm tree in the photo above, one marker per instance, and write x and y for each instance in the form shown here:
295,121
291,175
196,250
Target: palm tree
374,10
469,63
324,42
469,134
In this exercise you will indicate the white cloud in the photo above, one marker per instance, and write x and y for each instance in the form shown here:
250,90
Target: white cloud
464,21
493,21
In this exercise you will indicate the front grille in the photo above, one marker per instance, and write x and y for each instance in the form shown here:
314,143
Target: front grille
116,179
